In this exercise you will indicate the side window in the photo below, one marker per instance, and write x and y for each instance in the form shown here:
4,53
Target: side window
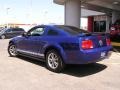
8,31
20,29
52,33
37,32
15,30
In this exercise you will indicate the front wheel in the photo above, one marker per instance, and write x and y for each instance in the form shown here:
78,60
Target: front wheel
3,37
12,50
54,61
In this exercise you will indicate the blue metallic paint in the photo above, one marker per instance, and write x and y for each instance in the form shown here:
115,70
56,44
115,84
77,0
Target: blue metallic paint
69,46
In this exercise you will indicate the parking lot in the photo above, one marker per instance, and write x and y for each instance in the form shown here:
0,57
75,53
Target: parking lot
26,74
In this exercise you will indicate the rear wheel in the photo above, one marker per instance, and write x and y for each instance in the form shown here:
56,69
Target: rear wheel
3,37
54,61
12,50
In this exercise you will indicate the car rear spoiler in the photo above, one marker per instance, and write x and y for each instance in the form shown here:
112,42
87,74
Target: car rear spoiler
101,33
95,33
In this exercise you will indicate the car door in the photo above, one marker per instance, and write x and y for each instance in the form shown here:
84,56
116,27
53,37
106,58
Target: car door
18,31
14,32
9,33
32,43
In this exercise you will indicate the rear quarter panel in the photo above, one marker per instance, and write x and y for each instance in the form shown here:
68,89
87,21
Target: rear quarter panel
65,44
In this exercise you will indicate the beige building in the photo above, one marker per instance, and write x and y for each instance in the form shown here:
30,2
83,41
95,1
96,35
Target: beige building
74,10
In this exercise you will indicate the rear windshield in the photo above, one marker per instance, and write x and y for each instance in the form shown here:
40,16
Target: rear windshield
71,30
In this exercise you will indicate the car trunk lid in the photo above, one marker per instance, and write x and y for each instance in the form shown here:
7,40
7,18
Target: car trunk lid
96,39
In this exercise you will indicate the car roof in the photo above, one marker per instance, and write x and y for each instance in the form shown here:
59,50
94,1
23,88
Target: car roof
52,25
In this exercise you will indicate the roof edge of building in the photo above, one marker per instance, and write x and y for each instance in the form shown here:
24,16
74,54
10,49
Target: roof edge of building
60,2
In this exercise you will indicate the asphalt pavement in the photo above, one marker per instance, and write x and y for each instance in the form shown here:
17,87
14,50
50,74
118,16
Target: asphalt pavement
19,73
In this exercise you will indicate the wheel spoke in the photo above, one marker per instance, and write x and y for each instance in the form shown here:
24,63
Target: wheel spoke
55,63
12,50
53,60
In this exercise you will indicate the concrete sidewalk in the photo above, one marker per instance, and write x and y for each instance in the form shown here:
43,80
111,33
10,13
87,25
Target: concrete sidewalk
113,59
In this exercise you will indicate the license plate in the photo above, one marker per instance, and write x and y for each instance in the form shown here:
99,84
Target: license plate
103,54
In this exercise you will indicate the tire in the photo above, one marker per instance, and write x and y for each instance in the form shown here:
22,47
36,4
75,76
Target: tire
54,61
3,37
12,50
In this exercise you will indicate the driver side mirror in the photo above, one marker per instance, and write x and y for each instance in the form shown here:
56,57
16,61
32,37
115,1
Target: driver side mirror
24,34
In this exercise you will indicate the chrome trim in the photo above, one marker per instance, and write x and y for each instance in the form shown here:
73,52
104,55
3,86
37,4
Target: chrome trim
28,52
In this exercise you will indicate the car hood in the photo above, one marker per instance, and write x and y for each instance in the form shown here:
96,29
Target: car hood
17,37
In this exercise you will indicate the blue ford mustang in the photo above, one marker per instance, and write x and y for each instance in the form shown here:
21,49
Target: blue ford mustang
59,45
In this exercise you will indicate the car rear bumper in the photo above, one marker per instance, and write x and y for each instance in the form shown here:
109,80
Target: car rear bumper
88,56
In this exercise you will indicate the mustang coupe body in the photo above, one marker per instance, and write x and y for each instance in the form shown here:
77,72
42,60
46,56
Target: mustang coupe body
58,45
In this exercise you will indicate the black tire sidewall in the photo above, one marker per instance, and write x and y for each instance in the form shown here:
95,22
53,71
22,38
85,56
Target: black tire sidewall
61,64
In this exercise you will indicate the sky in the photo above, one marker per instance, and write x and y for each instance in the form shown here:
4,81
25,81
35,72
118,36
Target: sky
31,11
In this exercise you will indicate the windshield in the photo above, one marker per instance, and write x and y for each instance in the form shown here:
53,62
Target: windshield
2,31
71,30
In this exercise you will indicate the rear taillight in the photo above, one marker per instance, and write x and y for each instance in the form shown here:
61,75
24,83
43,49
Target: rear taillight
87,44
108,42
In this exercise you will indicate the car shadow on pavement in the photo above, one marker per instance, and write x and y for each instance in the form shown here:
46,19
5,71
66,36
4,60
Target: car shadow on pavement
73,70
84,70
116,49
36,62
